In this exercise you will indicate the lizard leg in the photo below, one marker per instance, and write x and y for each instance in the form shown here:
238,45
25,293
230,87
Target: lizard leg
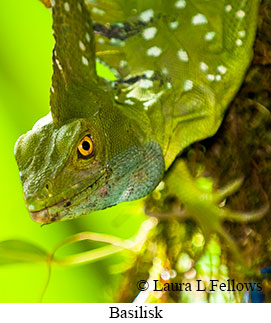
203,206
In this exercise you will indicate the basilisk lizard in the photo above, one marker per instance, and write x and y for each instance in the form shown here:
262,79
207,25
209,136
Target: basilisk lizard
177,65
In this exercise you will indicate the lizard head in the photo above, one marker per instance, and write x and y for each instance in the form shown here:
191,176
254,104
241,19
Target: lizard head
81,166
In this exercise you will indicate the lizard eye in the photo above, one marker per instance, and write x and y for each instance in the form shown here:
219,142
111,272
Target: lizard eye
85,147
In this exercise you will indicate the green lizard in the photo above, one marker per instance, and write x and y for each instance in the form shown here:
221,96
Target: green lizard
177,63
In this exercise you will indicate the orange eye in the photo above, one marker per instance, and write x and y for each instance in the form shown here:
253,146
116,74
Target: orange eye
86,146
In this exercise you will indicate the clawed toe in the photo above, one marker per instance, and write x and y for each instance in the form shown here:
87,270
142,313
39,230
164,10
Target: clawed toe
229,215
228,190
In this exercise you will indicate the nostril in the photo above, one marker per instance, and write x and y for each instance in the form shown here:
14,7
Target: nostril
48,187
47,190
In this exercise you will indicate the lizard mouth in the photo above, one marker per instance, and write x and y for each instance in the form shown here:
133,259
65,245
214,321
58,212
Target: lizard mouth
44,216
58,211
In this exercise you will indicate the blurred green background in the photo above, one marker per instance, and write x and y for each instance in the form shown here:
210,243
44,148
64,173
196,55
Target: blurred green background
26,44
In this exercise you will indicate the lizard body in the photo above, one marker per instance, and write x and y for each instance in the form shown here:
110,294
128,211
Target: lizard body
178,65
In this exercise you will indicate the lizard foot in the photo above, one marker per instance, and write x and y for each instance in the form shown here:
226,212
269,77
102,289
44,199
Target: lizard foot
206,207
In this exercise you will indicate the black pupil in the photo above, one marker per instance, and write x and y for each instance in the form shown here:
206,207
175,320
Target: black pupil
86,145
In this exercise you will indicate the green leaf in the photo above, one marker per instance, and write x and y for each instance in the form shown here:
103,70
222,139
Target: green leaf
18,251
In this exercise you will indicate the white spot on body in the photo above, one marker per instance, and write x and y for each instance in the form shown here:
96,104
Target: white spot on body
101,41
204,67
149,33
129,102
154,51
84,60
180,4
123,63
222,69
52,89
149,73
188,85
210,77
146,15
97,11
117,42
169,85
228,8
79,7
218,77
173,25
145,84
240,14
199,19
182,55
239,42
66,6
164,70
88,37
242,33
82,46
209,36
53,3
